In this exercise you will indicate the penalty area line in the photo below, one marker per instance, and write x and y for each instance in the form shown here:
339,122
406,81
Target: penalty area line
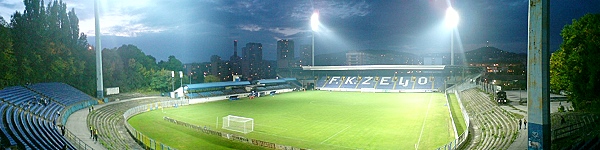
335,134
424,119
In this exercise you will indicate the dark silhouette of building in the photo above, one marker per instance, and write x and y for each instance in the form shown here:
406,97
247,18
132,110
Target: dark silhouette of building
252,61
285,53
235,61
305,55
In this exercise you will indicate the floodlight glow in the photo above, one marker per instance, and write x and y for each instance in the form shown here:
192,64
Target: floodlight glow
451,18
314,21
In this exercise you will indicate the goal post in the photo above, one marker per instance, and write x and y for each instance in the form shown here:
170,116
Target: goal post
238,124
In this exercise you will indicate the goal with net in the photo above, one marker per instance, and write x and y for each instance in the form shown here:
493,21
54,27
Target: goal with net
238,124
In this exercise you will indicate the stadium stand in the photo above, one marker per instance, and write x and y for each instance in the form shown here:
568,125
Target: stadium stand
416,83
110,123
32,115
494,127
204,90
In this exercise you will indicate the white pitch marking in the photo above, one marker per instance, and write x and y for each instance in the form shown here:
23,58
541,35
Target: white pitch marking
423,127
335,134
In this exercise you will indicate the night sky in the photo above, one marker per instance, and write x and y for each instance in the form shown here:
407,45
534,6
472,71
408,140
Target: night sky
193,30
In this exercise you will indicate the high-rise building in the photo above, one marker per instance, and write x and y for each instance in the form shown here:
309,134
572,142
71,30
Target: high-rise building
252,61
305,55
235,61
285,53
252,51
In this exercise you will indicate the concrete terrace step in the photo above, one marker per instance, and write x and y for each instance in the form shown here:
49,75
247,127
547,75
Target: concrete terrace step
492,121
109,120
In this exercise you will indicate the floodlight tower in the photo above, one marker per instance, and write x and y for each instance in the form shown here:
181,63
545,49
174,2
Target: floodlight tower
451,22
99,80
314,24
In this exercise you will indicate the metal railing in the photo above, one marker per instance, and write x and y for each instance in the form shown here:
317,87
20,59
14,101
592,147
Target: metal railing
146,141
460,140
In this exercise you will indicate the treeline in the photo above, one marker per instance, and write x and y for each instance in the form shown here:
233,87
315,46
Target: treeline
574,67
43,44
128,68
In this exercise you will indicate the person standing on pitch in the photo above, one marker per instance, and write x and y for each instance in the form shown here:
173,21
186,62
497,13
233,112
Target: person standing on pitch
519,124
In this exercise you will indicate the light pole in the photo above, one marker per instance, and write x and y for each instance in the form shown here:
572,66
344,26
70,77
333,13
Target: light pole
99,80
173,81
451,22
314,24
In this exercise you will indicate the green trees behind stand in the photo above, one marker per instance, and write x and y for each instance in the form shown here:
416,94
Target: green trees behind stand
575,66
43,44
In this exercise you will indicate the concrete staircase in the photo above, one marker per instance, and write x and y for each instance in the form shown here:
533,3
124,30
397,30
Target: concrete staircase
110,123
493,127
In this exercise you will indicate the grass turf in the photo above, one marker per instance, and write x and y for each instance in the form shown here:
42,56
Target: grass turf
459,120
314,119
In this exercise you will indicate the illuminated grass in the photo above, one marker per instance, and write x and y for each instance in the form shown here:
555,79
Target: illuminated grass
315,120
459,120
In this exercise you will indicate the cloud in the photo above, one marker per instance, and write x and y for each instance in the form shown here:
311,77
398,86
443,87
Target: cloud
250,27
8,8
341,9
287,31
122,19
251,7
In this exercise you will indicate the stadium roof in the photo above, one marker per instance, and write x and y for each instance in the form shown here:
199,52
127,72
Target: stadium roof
216,84
267,81
377,67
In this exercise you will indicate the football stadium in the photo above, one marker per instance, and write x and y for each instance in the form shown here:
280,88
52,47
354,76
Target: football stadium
389,107
411,97
368,107
346,107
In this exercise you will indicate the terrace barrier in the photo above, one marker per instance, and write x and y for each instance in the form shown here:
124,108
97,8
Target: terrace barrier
233,137
460,140
145,141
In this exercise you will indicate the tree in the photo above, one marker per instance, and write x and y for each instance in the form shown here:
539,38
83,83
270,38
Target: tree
579,54
558,77
161,80
7,57
171,64
211,78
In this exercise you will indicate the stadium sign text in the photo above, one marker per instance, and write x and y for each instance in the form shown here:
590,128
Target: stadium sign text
382,80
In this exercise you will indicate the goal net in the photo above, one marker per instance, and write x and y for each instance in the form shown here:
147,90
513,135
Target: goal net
238,124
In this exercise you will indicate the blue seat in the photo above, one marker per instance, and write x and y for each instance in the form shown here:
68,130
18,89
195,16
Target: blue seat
54,133
10,117
11,141
63,93
29,132
41,131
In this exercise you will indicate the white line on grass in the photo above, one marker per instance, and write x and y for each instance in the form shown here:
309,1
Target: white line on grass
424,119
335,134
298,139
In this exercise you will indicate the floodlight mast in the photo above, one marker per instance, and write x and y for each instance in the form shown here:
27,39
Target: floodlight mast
99,80
451,22
314,24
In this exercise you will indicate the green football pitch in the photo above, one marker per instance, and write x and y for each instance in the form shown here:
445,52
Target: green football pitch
313,120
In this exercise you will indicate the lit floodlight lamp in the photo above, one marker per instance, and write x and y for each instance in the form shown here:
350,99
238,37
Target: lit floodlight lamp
314,21
314,24
451,18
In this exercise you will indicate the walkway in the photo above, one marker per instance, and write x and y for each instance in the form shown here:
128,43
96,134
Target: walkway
77,124
515,107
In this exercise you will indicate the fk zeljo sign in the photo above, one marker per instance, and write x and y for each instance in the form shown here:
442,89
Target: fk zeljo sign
402,81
